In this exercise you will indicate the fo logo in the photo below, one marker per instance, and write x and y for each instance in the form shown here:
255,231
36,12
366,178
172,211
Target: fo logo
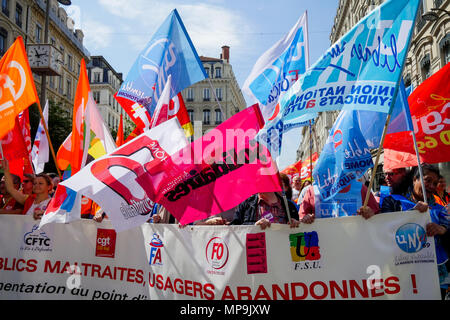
411,238
217,253
155,250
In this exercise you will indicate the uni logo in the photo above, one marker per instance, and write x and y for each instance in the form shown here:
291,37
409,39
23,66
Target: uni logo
411,237
304,246
155,250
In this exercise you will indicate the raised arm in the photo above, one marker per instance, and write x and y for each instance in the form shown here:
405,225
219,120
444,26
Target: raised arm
9,184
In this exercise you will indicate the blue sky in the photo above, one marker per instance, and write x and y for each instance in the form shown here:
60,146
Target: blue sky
119,30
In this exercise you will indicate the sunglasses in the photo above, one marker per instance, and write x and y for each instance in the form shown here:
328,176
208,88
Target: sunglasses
390,174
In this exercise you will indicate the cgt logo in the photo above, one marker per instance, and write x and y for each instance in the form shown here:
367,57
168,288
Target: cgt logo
155,250
106,243
411,238
217,253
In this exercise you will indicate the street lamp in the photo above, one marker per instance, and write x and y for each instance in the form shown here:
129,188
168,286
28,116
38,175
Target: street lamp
47,16
44,78
433,16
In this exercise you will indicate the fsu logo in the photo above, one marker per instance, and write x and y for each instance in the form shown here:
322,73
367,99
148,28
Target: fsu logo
155,250
217,253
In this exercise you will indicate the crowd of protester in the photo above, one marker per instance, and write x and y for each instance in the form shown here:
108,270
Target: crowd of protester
299,202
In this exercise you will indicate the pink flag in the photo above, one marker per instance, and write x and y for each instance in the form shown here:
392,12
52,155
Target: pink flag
218,171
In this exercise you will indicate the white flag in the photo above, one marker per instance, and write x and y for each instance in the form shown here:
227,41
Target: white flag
125,194
278,68
39,152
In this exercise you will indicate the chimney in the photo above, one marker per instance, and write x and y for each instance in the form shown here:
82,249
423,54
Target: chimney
225,53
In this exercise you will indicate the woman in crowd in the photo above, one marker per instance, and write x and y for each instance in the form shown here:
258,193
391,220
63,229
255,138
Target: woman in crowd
36,203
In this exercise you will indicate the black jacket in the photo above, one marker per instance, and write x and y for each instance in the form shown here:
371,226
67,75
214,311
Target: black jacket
246,211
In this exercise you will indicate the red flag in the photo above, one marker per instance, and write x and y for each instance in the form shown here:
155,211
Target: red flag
177,108
15,150
17,80
137,131
137,112
305,172
119,138
429,104
293,169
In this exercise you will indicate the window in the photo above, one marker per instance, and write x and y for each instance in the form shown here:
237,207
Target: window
190,94
218,116
97,76
207,72
19,15
38,33
69,88
191,115
96,95
206,116
60,87
426,67
51,81
407,80
447,53
70,62
218,73
110,101
219,94
206,94
3,41
5,7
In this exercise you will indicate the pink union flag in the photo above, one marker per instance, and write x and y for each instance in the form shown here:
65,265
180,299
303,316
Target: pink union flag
218,171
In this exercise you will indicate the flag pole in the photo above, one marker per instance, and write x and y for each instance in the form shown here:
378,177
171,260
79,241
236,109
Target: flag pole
424,191
388,119
48,137
374,170
310,150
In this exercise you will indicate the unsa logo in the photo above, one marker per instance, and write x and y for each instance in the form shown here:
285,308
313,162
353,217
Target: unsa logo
411,238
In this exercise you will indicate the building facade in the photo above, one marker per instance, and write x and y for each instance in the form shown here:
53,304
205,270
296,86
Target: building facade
105,82
26,18
217,98
429,51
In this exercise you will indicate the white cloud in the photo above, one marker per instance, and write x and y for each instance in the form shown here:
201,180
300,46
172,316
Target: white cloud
210,26
96,35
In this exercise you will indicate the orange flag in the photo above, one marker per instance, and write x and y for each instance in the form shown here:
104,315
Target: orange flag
16,86
78,146
119,138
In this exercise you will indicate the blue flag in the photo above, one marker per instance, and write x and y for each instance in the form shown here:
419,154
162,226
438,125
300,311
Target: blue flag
401,115
361,70
169,52
345,157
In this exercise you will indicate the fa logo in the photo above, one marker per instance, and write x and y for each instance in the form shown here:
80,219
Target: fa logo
155,250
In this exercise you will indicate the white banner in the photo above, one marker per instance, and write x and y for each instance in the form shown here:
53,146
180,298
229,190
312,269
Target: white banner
386,257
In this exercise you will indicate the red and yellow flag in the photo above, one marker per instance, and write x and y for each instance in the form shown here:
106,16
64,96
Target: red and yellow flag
16,86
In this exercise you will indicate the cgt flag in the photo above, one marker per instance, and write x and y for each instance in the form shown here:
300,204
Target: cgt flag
123,183
429,106
17,86
169,52
361,70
